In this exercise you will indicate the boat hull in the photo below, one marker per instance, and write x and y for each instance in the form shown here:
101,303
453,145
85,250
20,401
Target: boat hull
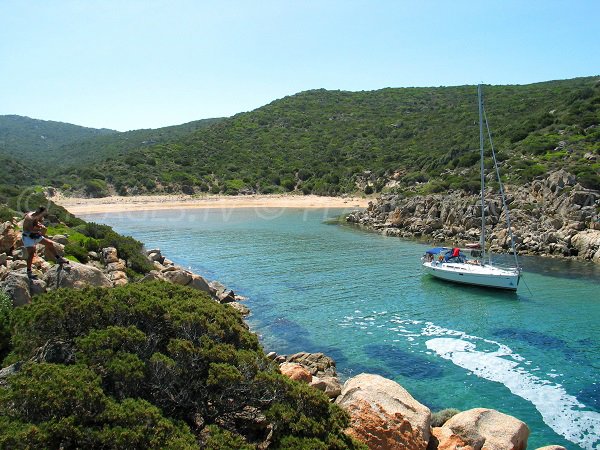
485,276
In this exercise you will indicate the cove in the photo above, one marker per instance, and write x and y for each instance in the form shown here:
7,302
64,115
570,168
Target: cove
362,299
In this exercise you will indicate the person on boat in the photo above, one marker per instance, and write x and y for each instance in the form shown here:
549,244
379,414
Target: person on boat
33,234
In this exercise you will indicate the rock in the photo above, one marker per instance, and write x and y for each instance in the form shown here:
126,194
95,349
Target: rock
120,282
8,237
587,243
60,238
156,257
272,356
59,249
3,259
118,266
552,447
481,428
199,283
153,275
243,309
384,415
93,255
75,275
329,385
226,297
558,180
17,264
117,275
318,364
109,254
295,372
16,286
178,276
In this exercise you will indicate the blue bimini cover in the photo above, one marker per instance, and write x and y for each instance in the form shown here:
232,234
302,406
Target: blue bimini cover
437,250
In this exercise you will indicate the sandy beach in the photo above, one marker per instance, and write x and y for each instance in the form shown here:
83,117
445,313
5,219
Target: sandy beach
153,202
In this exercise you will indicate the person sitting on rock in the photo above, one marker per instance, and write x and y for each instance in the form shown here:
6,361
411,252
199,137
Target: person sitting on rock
33,234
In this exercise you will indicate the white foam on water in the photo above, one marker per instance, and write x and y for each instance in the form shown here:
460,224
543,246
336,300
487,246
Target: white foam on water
560,411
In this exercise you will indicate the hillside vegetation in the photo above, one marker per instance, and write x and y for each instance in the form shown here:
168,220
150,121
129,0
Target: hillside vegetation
334,142
28,139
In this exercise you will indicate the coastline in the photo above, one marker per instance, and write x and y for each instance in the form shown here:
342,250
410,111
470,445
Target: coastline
76,205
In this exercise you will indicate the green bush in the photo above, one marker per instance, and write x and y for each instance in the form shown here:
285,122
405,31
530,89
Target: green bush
174,350
77,251
441,417
6,309
56,406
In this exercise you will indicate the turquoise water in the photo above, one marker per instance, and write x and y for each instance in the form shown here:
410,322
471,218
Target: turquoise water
361,298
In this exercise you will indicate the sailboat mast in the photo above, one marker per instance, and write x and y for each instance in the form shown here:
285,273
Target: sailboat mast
480,98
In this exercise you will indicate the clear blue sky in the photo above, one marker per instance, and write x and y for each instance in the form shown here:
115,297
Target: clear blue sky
130,64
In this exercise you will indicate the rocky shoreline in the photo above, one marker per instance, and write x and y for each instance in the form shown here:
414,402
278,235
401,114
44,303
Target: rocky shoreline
554,216
383,415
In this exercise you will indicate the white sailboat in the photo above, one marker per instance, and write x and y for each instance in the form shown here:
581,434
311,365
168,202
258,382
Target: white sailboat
452,264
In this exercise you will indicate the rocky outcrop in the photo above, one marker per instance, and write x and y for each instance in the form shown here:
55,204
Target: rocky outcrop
554,216
482,428
384,415
295,372
8,237
316,369
75,275
16,286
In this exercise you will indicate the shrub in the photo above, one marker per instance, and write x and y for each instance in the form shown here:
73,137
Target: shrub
55,406
6,309
172,349
77,251
441,417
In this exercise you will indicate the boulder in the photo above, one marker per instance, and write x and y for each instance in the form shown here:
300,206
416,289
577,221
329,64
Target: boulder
482,428
329,385
8,237
75,275
318,364
178,276
118,266
295,372
109,254
199,283
552,447
59,249
156,256
153,275
384,415
16,286
242,309
226,297
117,275
17,264
60,238
587,243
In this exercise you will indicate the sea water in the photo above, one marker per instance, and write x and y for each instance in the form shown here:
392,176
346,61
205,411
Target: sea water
362,298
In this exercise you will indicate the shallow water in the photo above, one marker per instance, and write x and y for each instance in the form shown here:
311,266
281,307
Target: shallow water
362,299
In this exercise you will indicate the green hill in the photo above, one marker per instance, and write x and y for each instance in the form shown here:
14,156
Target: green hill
102,147
23,138
332,142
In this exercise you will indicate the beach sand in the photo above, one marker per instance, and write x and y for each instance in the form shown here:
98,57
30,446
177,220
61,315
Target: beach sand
157,202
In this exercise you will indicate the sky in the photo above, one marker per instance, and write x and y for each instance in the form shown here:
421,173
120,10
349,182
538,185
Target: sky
132,64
